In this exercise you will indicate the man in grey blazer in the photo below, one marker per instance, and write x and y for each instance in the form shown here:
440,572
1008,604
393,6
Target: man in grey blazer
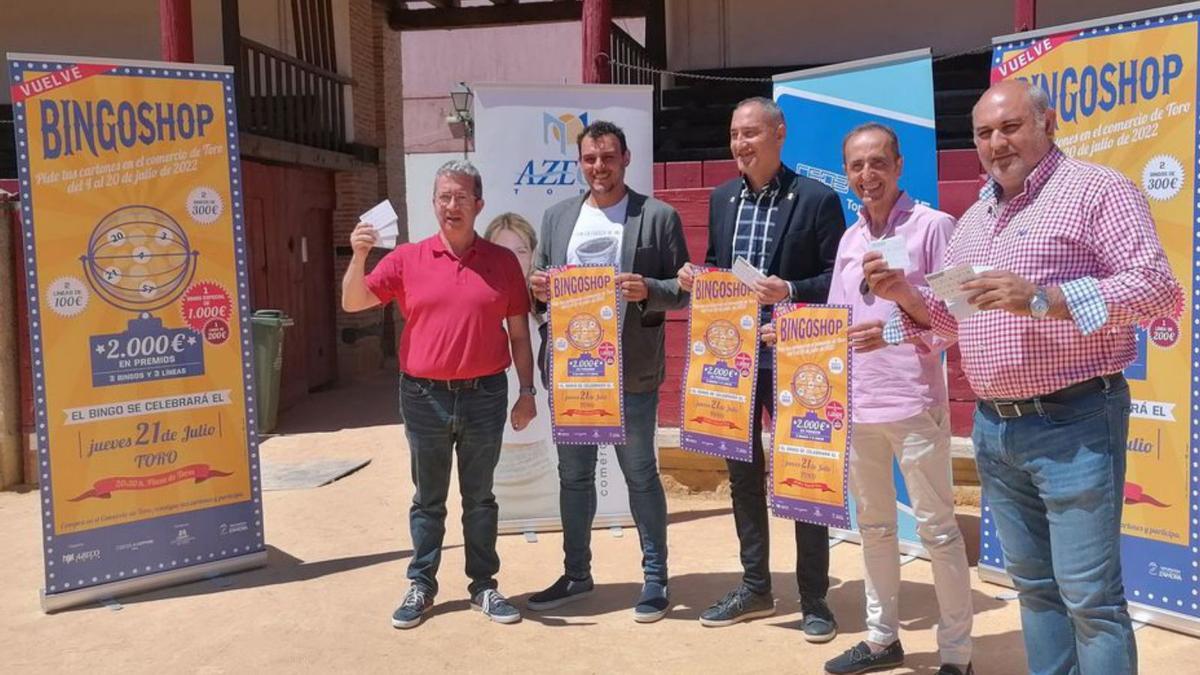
643,238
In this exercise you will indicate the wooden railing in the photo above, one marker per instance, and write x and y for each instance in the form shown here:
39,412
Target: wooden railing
283,97
627,59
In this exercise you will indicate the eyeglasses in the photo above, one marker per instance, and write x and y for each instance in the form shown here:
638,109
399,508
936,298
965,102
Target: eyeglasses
460,197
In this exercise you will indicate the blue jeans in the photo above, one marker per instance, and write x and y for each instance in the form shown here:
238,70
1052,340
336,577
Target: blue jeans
577,492
1054,483
439,423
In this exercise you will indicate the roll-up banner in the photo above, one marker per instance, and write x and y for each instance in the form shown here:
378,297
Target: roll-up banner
826,103
1124,89
525,148
137,287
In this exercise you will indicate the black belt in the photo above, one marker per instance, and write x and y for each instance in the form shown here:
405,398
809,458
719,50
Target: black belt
454,385
1035,406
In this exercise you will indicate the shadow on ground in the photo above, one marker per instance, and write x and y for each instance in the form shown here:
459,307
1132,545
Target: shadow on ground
281,568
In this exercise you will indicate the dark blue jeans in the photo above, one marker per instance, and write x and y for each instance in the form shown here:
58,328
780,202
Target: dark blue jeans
647,501
438,424
748,487
1054,484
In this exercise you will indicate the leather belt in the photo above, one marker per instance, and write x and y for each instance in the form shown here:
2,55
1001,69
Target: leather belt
1034,406
454,385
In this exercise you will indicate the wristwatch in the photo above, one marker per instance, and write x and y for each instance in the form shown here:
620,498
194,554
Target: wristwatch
527,391
1039,304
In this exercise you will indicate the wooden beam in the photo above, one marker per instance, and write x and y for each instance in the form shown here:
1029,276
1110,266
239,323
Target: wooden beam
401,18
597,33
175,30
1024,15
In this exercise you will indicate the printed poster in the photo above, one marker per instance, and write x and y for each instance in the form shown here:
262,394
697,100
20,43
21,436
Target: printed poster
137,289
586,406
810,432
1124,90
722,367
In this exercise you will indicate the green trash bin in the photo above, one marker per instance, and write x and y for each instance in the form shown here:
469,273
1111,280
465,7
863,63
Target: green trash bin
267,332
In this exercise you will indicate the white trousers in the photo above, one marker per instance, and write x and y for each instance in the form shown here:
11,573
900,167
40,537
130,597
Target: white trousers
922,446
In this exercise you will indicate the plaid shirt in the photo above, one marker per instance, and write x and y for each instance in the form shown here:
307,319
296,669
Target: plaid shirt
754,231
1083,227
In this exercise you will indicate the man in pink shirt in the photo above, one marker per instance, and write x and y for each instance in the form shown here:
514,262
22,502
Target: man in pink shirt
1074,263
900,409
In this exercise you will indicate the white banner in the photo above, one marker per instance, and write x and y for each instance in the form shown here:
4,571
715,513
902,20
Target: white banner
525,148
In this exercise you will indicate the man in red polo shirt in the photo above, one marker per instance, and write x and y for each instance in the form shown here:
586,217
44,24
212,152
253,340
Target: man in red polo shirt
457,292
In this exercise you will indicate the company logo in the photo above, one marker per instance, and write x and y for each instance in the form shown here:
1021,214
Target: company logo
81,557
182,538
561,130
233,528
1164,572
558,167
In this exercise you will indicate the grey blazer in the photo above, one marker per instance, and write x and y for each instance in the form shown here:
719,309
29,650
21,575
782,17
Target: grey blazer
652,246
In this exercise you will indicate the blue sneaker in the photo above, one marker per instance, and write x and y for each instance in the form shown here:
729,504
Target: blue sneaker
563,591
495,606
416,604
653,604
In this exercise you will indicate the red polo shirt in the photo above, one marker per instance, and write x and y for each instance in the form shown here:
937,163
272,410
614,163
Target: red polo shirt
454,308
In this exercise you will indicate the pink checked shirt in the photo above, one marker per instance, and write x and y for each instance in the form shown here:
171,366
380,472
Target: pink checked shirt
898,383
1082,227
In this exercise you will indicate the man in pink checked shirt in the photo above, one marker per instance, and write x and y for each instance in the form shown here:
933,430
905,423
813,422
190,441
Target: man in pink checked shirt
1075,263
901,410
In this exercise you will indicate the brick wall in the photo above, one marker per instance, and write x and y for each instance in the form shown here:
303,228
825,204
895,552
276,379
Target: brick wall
687,185
360,349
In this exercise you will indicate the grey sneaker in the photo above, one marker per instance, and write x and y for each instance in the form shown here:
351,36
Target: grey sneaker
818,623
495,606
740,604
653,604
560,593
416,604
859,659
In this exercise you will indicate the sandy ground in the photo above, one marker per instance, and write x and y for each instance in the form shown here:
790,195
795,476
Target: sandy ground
336,571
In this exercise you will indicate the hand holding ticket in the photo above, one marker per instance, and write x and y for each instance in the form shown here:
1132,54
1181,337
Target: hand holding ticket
386,223
947,286
894,250
747,273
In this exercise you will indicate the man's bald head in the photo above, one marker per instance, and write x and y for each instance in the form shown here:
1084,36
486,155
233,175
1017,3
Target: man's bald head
1013,127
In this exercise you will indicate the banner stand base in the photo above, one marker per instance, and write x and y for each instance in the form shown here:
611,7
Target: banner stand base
554,524
1154,616
60,601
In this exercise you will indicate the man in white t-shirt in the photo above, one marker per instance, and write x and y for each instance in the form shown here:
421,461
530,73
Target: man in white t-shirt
643,238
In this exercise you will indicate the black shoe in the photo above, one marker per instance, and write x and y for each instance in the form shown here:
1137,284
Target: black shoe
739,604
859,659
653,603
560,593
417,602
818,623
948,669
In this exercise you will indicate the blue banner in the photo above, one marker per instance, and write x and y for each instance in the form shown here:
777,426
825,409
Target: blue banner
822,105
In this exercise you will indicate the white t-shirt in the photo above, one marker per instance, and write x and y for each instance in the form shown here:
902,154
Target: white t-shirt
597,236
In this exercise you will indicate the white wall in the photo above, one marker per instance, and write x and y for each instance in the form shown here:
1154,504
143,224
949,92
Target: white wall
741,33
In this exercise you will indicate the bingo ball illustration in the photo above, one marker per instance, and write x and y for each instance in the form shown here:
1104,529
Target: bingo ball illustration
723,338
811,386
139,259
584,331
